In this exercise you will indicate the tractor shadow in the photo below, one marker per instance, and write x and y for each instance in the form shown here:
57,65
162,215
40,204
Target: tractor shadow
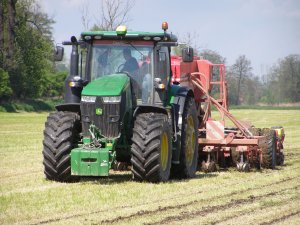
199,175
203,175
111,179
123,177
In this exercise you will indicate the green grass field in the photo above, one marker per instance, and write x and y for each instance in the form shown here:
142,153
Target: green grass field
226,197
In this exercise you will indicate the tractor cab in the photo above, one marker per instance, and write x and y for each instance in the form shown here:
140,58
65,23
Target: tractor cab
134,59
144,57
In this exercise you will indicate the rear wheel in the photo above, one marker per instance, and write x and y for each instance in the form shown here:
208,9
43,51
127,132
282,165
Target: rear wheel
255,131
255,159
189,143
279,146
61,134
151,148
269,151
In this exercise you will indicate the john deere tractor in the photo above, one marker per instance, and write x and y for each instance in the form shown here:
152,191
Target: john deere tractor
121,107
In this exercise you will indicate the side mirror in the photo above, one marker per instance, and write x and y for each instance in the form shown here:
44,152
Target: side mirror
187,54
58,53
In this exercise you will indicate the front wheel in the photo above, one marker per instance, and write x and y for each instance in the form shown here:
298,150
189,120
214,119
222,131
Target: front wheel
151,148
61,134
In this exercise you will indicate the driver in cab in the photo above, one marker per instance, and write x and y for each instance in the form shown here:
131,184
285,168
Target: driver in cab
131,65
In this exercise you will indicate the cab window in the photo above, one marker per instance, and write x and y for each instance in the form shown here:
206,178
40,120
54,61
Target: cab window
163,65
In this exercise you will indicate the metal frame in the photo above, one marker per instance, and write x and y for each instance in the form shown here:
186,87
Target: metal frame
241,138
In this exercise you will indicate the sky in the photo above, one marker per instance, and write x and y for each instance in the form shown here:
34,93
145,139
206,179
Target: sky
262,30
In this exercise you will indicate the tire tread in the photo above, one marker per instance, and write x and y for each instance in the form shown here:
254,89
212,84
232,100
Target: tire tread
60,135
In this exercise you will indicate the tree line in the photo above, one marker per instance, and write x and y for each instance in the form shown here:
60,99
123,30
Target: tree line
281,84
27,68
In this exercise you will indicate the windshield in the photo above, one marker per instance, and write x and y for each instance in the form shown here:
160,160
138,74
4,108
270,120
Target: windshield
134,58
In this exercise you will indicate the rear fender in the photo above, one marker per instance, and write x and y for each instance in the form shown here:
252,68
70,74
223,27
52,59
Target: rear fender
149,108
178,105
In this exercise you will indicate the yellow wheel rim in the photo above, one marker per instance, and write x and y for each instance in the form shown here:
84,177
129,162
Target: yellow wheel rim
164,151
190,140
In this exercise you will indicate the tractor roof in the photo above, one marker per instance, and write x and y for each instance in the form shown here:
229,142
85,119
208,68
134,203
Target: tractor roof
130,35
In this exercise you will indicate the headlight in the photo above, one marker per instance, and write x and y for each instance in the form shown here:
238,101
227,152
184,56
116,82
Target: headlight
88,98
112,99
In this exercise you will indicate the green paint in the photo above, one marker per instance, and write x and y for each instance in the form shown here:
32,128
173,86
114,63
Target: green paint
172,93
98,111
110,85
107,35
109,145
86,140
90,162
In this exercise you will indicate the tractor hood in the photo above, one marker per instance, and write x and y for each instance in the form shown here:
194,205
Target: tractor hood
110,85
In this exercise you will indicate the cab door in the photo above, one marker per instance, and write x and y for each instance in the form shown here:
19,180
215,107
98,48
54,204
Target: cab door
162,74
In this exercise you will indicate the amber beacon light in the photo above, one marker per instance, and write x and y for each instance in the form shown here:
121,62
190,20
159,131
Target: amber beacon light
164,26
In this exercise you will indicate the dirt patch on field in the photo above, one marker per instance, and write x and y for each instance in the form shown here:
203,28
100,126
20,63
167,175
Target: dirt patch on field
186,214
212,209
235,216
285,217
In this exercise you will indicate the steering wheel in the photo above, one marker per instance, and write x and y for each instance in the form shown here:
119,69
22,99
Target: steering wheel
120,67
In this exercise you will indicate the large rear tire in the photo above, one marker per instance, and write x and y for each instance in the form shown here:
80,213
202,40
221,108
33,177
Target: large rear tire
151,151
279,148
269,152
187,166
61,134
255,160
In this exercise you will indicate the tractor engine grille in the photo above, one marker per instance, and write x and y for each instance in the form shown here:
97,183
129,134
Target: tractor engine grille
105,116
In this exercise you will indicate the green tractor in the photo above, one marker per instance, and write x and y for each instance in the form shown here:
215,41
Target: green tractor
121,107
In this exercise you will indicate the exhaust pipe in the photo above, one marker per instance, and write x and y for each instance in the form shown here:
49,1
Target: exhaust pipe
73,85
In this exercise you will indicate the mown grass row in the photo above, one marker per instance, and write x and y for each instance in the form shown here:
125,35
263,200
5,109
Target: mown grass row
226,197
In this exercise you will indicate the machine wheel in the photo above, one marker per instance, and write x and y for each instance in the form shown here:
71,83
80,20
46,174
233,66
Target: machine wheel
243,167
234,156
280,159
279,152
255,131
255,160
151,151
269,152
61,134
189,143
258,163
209,167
